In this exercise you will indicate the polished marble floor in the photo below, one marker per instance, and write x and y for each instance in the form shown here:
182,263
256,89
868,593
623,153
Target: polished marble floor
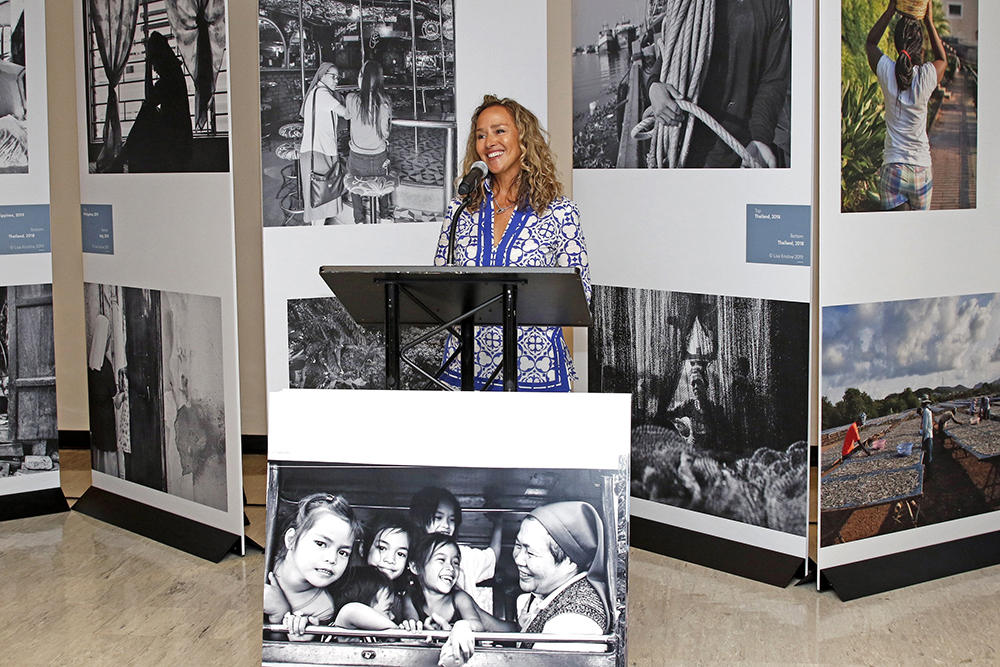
76,591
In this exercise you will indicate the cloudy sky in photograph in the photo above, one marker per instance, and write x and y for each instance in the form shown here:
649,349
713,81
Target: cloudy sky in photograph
882,348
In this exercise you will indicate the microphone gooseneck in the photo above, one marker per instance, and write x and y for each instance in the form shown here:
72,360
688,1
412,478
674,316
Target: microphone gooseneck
469,182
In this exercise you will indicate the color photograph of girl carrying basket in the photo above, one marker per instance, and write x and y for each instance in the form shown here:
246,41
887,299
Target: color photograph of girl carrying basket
909,95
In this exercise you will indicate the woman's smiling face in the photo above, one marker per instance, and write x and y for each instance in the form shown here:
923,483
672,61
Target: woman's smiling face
498,141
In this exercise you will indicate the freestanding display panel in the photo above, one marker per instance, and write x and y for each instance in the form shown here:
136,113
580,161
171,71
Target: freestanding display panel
159,268
907,492
29,437
701,268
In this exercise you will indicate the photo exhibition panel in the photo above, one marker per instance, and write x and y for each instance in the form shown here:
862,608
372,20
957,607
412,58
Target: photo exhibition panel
364,129
908,329
693,139
516,548
29,438
159,255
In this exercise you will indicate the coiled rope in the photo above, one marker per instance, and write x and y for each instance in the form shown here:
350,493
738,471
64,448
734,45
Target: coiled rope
685,44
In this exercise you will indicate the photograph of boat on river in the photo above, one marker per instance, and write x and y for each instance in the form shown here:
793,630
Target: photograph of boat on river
699,84
379,80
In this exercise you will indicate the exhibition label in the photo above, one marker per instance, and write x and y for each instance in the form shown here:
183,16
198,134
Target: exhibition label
779,234
98,230
24,229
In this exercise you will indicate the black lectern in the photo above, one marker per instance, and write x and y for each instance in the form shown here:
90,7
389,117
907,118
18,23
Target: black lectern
446,296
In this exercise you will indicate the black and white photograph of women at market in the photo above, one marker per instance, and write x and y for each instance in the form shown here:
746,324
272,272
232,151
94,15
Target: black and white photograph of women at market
13,92
444,565
156,390
157,86
29,438
357,111
720,391
664,84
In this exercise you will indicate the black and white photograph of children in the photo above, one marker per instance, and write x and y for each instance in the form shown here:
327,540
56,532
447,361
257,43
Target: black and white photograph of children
909,103
438,565
157,84
719,390
29,438
13,95
154,369
357,111
666,85
327,349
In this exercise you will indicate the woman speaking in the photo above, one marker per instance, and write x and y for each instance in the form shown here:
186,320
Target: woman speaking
516,217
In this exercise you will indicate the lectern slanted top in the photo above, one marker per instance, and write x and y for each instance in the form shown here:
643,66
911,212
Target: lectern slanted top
450,295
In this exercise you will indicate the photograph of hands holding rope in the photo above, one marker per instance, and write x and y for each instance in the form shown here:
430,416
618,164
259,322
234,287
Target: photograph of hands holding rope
681,84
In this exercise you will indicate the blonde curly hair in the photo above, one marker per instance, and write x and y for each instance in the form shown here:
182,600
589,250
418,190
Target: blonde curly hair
538,182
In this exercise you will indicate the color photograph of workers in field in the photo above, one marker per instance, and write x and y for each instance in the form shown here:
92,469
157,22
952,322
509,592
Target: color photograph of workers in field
909,434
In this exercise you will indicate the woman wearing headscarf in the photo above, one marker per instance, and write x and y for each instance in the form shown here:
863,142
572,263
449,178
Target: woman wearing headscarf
318,150
562,569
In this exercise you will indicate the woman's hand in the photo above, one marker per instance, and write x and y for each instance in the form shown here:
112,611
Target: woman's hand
662,98
460,646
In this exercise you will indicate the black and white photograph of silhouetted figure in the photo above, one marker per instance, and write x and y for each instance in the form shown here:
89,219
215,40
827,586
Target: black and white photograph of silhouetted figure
701,84
157,83
13,92
161,138
719,390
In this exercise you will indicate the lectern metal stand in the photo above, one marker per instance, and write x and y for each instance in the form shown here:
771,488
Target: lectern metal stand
446,297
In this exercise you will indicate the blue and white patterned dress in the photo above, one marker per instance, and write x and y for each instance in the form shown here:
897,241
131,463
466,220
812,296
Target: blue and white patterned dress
552,239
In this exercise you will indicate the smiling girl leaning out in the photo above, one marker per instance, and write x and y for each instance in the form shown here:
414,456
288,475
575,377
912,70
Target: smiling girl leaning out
314,553
434,599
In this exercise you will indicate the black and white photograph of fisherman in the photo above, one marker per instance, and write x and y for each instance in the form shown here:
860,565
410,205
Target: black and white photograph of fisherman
327,349
29,437
393,521
13,91
719,399
359,98
156,390
157,86
681,84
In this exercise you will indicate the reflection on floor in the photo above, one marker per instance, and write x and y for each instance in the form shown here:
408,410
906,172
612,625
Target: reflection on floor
81,592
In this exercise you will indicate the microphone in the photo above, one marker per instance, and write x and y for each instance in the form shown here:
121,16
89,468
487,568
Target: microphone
471,179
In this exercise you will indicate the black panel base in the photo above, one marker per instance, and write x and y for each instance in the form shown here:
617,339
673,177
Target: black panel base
74,439
32,503
906,568
181,533
743,560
